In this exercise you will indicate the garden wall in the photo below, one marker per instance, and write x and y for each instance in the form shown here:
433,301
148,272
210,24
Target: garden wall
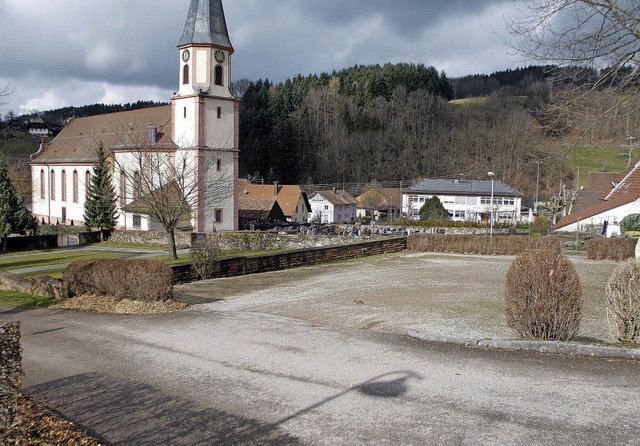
239,266
29,243
183,239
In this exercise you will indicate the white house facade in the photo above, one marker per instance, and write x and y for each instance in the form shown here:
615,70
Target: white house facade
332,207
193,143
466,200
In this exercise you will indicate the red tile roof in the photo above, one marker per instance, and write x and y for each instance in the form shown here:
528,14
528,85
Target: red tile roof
287,198
627,190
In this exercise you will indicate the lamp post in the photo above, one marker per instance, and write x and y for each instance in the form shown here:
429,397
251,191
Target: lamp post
535,201
492,176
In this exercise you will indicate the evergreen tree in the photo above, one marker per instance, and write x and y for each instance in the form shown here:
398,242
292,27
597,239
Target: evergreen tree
14,217
433,209
100,205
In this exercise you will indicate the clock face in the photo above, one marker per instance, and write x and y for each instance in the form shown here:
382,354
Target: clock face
186,55
219,56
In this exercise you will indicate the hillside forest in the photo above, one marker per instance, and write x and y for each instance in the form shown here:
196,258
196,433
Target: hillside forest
398,123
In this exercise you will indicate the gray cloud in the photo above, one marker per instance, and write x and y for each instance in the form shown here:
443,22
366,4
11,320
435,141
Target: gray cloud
71,52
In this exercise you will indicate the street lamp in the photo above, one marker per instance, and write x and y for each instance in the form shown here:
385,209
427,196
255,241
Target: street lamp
535,201
492,176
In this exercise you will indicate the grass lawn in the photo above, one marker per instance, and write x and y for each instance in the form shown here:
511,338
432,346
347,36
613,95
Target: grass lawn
593,159
45,258
13,299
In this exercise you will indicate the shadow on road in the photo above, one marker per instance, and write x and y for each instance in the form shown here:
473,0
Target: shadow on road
126,413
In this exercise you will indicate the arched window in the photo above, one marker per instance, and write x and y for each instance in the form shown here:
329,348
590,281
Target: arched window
123,188
137,184
75,186
42,186
218,75
185,74
87,182
53,185
63,186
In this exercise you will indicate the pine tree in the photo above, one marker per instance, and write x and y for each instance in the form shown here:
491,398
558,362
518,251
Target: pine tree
433,209
14,217
100,205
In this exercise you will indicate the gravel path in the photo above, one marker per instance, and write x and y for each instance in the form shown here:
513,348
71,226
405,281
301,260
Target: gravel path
430,293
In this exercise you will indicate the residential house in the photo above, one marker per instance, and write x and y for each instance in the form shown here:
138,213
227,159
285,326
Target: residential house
258,210
332,206
38,126
196,135
620,199
465,200
292,199
382,203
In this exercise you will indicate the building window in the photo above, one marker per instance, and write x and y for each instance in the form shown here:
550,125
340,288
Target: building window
42,187
63,186
218,75
184,112
461,199
53,185
75,186
137,221
137,184
219,112
87,182
485,200
185,74
219,165
326,207
123,188
217,216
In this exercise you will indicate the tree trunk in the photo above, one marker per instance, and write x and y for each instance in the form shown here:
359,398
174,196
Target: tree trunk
101,234
172,244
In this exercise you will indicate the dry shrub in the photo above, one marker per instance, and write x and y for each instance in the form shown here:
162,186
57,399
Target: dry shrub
543,297
146,280
611,248
10,376
480,244
205,254
623,301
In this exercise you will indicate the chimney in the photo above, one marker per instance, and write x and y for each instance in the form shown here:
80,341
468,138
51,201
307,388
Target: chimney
275,188
335,190
152,134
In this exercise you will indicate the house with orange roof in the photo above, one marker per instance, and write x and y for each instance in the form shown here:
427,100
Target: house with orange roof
291,199
622,198
196,137
380,202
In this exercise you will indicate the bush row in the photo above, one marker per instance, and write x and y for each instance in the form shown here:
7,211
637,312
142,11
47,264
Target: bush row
145,280
455,224
10,375
480,244
611,248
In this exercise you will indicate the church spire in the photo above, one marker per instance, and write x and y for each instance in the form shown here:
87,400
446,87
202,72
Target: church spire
206,25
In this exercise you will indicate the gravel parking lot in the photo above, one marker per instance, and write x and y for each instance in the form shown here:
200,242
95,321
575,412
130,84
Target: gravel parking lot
430,293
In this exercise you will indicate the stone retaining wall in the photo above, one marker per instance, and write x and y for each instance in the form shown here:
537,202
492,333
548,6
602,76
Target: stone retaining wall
238,266
183,239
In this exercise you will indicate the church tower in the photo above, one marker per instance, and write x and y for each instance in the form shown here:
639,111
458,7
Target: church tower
205,113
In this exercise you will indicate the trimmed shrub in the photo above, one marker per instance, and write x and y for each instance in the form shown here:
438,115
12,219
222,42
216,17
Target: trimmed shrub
543,297
205,254
145,280
480,244
611,248
10,375
623,301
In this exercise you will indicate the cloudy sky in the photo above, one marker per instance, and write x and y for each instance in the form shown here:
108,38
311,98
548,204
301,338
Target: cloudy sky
55,53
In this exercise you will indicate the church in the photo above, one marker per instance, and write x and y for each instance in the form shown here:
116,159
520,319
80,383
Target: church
189,148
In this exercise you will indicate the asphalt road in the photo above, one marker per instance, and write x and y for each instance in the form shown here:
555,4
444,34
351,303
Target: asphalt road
203,377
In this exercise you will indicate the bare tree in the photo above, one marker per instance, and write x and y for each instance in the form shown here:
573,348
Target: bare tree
170,186
594,45
602,36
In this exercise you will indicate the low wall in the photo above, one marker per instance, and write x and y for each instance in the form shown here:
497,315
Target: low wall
30,243
265,240
239,266
183,239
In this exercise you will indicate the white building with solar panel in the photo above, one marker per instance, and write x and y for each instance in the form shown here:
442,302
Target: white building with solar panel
465,200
